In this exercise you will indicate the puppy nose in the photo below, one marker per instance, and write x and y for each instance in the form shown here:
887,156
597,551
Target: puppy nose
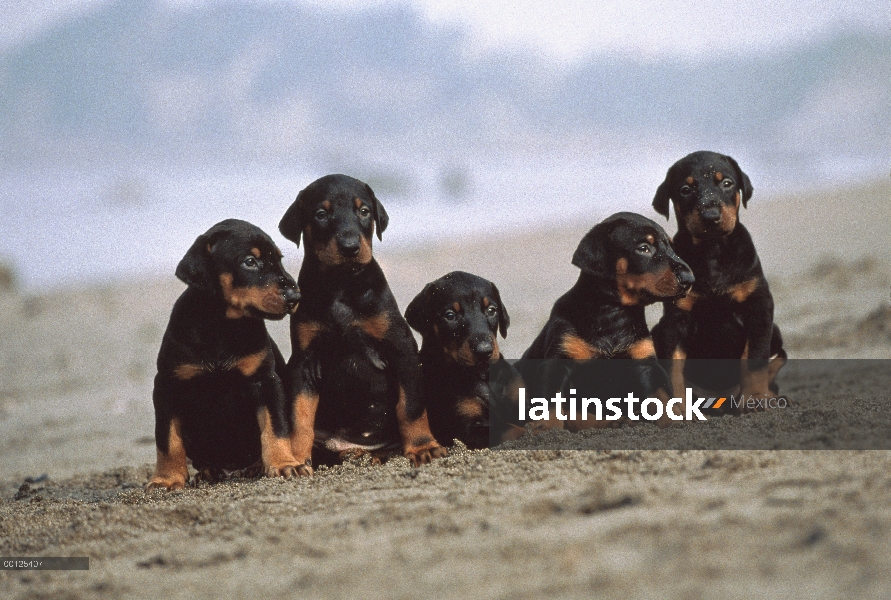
483,350
292,296
713,214
685,279
349,247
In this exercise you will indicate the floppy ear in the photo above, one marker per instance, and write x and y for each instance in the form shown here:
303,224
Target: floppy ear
380,215
744,184
195,269
292,224
417,313
590,256
663,195
503,317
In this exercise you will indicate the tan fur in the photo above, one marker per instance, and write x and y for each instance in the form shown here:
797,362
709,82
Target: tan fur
642,349
677,372
187,371
741,291
470,408
303,436
248,365
576,348
418,443
376,326
278,460
171,468
630,286
686,303
268,299
307,331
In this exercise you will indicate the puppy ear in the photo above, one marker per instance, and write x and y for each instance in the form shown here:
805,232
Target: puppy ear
292,224
503,317
380,215
744,184
663,195
590,256
196,269
417,314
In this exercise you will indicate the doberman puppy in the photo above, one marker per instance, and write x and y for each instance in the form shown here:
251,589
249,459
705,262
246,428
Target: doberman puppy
729,312
459,316
626,262
354,362
219,396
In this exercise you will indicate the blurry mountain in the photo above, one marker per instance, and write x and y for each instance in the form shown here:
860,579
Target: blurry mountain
267,83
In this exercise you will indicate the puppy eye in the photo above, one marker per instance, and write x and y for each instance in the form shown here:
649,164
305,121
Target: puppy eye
685,190
251,263
727,183
364,211
491,310
645,249
449,315
321,215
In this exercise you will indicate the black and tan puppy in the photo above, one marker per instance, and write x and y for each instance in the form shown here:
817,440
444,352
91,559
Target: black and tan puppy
728,314
626,262
354,362
459,316
219,397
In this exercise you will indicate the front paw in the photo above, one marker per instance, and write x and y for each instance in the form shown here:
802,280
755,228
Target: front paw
422,454
288,470
167,483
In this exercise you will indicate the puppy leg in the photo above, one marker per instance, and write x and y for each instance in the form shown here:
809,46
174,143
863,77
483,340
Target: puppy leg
171,469
418,443
278,460
303,432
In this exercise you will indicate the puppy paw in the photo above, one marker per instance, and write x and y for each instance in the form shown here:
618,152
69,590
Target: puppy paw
423,454
288,470
375,458
168,483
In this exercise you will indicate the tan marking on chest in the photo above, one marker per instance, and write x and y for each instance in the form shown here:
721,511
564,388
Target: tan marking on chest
741,291
642,349
306,332
470,408
187,371
375,326
576,348
248,365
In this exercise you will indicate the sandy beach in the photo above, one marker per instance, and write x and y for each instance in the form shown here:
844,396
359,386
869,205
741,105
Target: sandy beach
76,434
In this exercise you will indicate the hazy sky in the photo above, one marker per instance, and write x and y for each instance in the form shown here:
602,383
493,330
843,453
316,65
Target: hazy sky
571,29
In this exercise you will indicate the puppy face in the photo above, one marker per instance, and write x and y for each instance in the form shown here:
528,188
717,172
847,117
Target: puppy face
336,216
461,314
240,263
634,256
707,189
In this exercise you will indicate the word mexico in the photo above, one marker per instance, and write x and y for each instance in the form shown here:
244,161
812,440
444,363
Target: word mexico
651,409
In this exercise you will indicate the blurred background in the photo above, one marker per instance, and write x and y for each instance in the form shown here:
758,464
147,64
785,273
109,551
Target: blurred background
129,127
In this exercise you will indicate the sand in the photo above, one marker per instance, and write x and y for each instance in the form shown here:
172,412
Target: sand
76,419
